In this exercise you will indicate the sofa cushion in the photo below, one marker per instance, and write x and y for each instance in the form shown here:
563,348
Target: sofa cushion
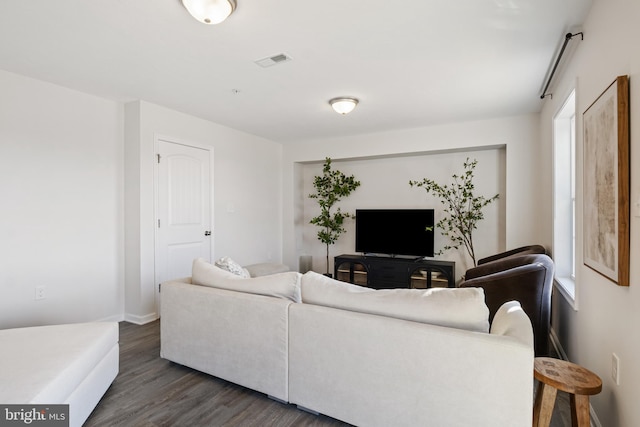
280,285
456,308
266,268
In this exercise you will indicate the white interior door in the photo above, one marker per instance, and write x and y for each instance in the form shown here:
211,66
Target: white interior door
183,200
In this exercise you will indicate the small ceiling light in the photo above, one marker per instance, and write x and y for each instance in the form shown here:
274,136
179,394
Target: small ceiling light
343,105
210,11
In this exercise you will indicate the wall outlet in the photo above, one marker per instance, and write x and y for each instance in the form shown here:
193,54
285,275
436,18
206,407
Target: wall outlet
615,368
41,292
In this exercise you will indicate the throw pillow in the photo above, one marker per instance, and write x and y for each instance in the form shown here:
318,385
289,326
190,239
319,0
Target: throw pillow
280,285
462,308
231,266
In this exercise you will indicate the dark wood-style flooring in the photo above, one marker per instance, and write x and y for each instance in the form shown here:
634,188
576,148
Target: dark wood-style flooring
150,391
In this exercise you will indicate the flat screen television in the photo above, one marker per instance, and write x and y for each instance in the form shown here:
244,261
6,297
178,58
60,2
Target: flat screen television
395,231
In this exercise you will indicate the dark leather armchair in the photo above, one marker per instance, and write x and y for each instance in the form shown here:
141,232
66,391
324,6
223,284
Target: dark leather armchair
523,250
524,278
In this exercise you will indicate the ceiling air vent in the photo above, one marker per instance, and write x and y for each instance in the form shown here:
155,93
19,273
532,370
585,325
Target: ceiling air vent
273,60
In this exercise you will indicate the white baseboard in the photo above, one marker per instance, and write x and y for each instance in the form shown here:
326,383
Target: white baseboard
595,422
114,318
140,320
556,344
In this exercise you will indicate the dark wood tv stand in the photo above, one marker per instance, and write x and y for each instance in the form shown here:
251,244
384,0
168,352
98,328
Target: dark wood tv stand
381,272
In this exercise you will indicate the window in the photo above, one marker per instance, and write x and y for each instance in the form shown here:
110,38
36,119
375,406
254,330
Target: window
564,206
572,178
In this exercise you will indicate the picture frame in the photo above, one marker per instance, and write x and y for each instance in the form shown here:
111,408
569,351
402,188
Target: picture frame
606,182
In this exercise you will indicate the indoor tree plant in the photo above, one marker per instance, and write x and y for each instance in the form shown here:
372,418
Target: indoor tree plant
462,209
331,187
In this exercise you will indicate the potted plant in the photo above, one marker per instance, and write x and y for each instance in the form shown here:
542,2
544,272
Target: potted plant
462,209
330,188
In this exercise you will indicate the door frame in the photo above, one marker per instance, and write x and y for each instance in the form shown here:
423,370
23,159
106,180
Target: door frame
157,138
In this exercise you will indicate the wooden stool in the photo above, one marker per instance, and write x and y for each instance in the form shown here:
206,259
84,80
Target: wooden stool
556,374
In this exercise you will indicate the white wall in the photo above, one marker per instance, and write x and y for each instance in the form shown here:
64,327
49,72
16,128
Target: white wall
385,184
63,169
517,176
61,190
247,195
608,315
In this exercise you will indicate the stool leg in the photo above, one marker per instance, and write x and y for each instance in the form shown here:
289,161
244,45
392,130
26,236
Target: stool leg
580,410
543,408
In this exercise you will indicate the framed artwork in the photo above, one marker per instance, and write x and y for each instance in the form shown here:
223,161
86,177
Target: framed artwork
606,183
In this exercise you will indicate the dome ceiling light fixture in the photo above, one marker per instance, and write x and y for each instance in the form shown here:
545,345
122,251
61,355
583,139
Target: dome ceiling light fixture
343,105
210,11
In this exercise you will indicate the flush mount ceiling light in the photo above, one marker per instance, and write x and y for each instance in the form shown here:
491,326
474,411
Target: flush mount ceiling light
343,105
210,11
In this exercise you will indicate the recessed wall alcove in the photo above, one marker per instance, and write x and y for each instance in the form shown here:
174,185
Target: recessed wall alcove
385,184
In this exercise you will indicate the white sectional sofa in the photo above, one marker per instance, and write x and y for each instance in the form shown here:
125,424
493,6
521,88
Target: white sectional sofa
401,357
70,364
240,337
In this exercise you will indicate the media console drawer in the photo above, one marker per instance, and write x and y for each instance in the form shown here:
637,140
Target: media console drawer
387,272
392,267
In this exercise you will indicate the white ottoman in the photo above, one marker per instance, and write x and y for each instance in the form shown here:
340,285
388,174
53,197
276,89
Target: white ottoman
63,364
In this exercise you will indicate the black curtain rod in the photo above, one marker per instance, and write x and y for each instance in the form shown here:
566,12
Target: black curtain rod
568,37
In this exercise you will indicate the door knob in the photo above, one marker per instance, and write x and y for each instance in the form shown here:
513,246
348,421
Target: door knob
207,233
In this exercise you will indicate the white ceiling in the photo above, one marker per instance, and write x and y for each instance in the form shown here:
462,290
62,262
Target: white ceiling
411,63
